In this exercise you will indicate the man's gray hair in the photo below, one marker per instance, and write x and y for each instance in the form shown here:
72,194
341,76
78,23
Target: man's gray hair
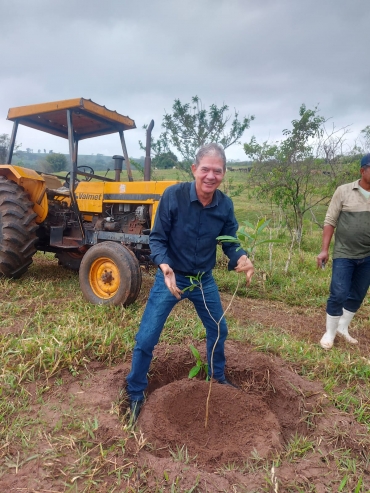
211,149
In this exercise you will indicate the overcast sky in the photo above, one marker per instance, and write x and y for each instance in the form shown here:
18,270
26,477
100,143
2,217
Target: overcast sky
261,57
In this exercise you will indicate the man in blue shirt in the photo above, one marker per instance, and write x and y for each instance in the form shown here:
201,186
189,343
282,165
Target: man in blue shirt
183,243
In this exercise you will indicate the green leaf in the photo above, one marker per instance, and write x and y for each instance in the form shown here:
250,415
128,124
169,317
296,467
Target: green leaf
194,371
195,353
190,288
229,239
249,236
260,223
263,225
248,224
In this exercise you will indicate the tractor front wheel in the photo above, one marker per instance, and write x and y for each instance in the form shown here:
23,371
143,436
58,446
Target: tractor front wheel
17,229
108,275
136,278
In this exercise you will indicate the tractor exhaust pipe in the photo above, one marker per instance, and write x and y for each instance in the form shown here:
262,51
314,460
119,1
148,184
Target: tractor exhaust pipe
148,159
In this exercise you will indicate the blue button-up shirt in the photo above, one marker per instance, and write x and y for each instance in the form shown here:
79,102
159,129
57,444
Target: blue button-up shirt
184,233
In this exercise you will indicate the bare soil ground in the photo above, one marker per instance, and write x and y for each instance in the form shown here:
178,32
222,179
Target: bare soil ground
170,444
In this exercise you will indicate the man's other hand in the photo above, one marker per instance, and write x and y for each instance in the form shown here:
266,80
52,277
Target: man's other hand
245,265
170,280
322,259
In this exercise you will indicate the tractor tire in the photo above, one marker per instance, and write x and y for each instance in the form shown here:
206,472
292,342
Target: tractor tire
107,275
70,259
17,230
136,278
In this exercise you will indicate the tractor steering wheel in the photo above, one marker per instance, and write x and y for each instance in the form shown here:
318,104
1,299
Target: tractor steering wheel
84,169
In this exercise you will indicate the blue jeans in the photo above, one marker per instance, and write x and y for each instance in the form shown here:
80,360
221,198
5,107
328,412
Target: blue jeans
349,284
159,306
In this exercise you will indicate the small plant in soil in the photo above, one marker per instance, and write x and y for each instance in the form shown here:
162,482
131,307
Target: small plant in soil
200,366
196,282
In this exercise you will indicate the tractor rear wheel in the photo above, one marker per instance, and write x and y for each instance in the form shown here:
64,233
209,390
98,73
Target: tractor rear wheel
109,275
17,229
70,259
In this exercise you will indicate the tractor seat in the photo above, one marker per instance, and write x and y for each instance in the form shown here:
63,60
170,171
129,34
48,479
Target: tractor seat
55,187
52,181
54,193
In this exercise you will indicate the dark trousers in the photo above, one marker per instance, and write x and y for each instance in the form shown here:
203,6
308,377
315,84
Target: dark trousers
349,284
159,306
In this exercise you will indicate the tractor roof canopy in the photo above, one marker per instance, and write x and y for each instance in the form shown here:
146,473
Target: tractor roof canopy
89,119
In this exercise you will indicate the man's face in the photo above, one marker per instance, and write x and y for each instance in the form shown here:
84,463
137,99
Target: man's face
365,175
208,175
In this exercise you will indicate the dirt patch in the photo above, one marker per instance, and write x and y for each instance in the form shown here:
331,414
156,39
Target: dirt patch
85,443
175,415
257,419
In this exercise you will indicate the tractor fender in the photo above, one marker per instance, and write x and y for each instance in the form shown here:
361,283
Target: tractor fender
32,183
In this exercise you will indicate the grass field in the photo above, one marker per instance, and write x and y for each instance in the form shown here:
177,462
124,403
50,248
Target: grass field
47,328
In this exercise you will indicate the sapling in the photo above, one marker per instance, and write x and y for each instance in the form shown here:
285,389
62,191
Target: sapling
199,364
250,241
196,282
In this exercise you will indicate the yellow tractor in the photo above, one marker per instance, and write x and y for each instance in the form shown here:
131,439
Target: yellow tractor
97,225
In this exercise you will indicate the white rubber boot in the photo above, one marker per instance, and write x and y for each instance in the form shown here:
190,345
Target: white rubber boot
327,339
344,322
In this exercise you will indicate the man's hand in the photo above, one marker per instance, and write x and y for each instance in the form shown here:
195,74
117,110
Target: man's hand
170,280
245,265
322,258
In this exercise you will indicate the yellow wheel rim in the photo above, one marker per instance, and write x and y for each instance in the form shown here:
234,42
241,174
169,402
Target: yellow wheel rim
104,278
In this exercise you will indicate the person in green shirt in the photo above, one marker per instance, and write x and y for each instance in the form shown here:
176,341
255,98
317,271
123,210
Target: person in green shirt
349,216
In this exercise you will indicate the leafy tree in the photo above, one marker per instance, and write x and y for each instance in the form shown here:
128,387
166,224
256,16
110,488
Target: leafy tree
366,136
165,160
4,144
302,170
4,147
190,126
288,174
57,161
137,165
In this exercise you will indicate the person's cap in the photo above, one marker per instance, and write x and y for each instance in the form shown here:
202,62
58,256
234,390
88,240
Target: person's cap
365,161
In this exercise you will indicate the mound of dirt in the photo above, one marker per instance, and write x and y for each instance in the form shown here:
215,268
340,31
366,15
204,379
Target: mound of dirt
238,423
258,417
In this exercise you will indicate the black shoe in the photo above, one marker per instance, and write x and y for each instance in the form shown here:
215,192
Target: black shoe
227,382
135,408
